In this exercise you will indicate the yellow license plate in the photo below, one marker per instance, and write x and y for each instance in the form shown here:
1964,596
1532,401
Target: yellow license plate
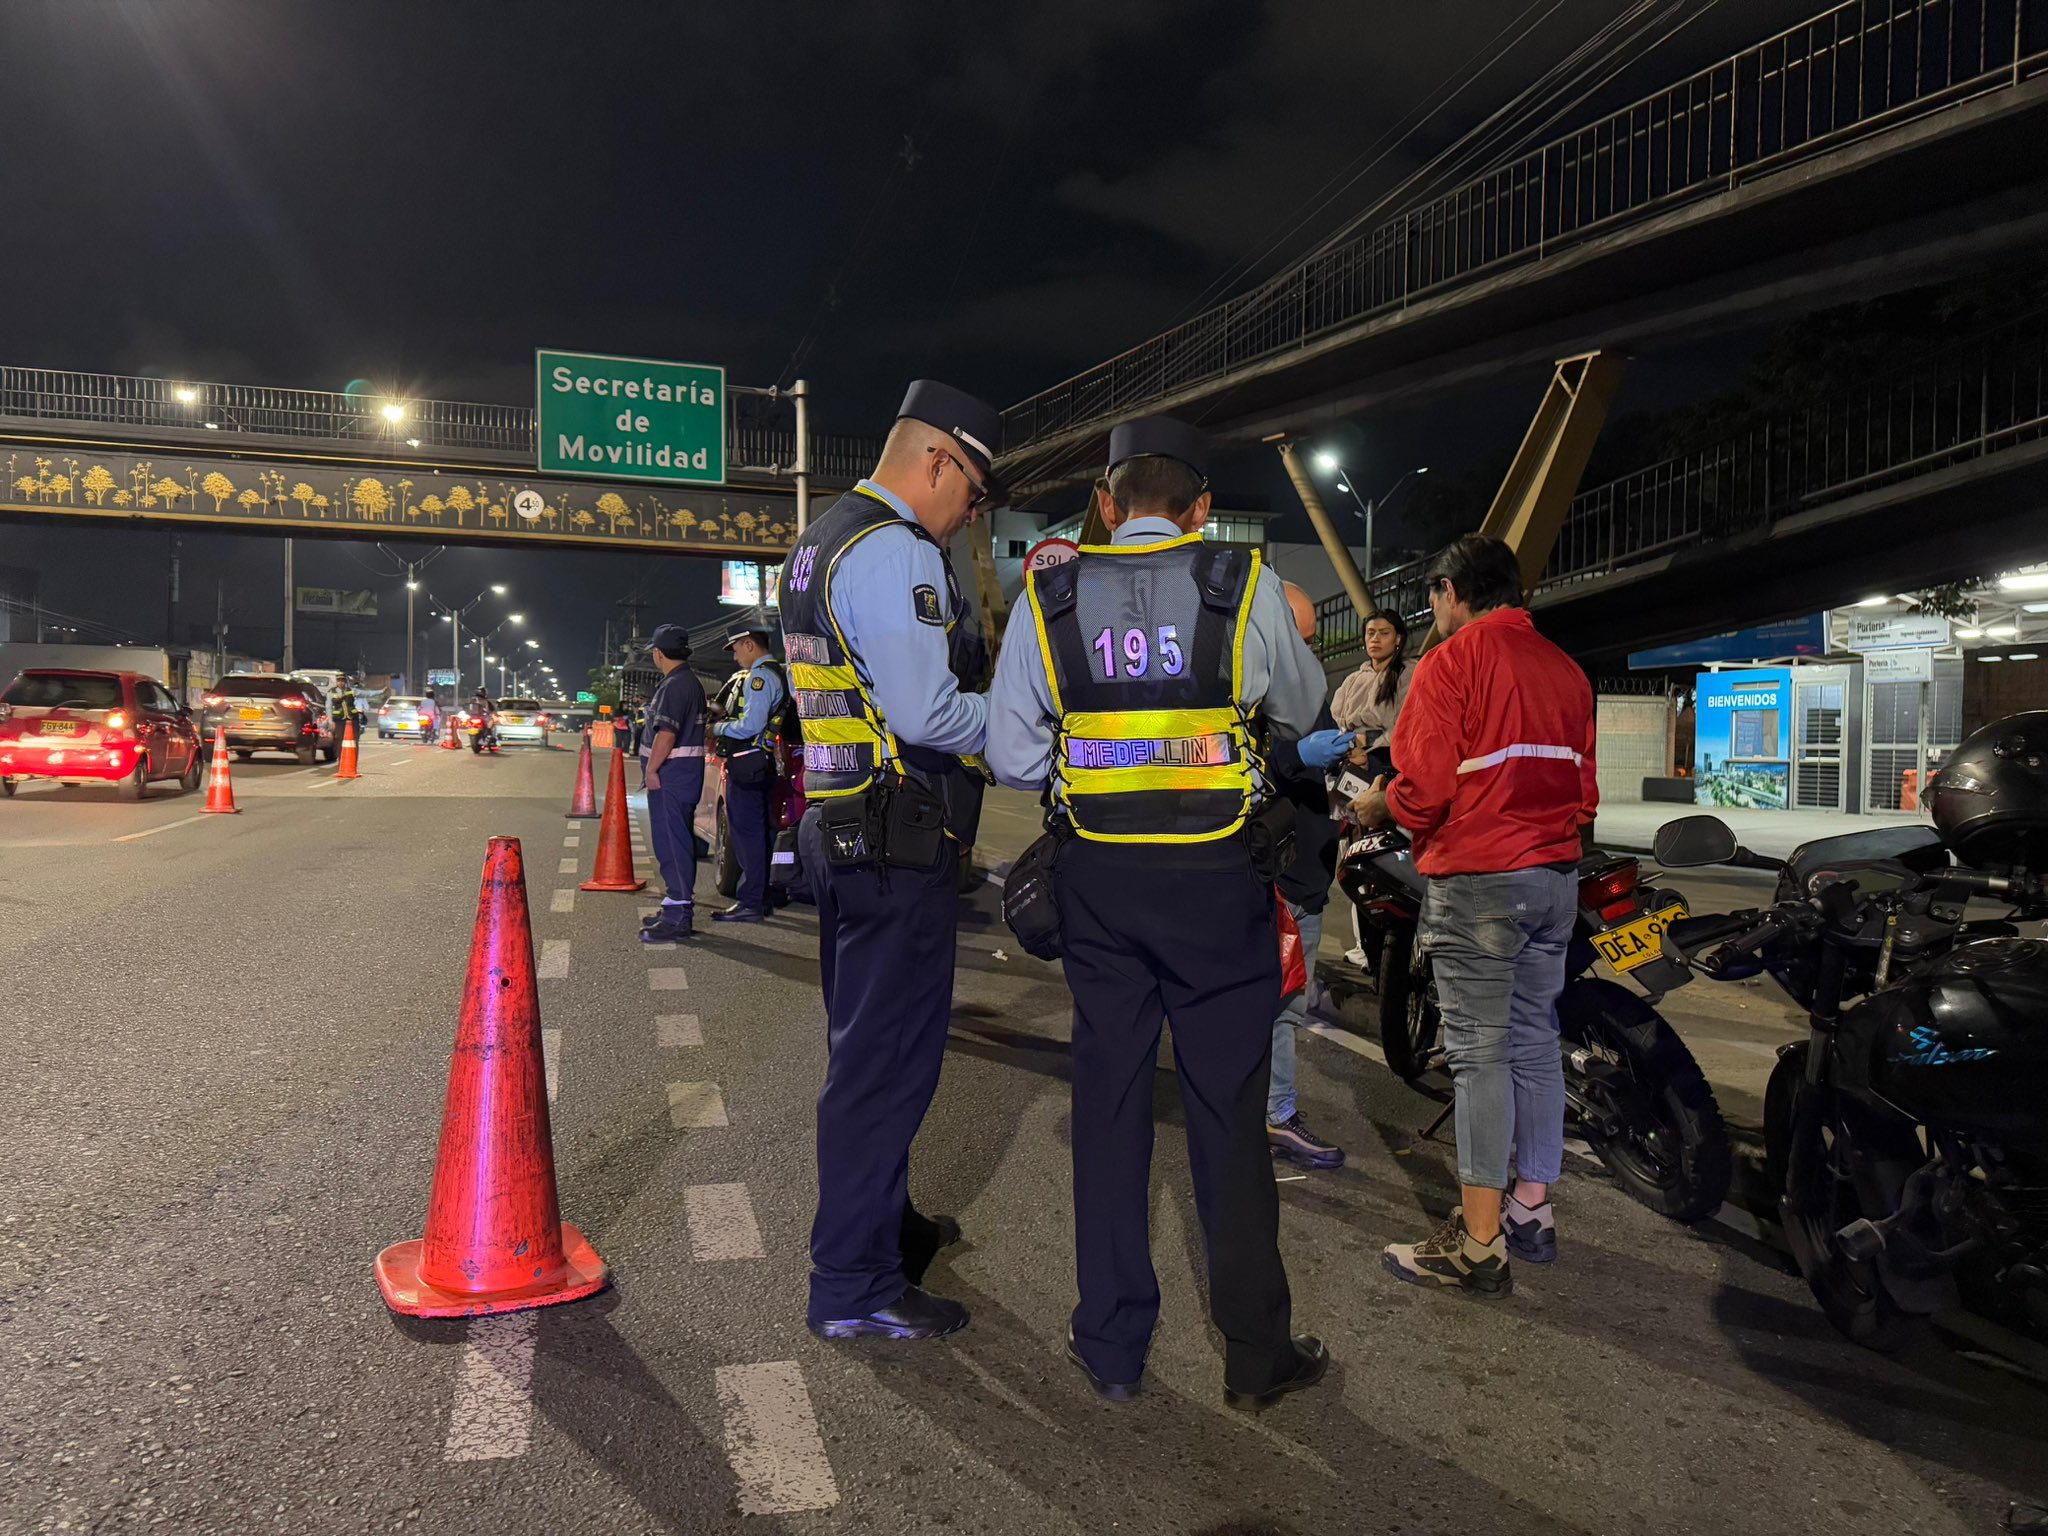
1638,942
60,727
252,714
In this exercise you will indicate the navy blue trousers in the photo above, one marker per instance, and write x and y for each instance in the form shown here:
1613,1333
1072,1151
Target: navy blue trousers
885,959
1206,956
746,822
671,811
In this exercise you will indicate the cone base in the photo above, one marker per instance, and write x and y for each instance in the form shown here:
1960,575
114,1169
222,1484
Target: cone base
222,810
582,1274
579,815
613,885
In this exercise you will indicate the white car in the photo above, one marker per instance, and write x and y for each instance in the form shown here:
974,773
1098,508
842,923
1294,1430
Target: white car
522,722
409,716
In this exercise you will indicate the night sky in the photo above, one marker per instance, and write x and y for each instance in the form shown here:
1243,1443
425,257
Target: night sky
418,194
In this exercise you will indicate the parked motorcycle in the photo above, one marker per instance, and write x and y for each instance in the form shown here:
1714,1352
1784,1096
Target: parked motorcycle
1907,1135
1632,1089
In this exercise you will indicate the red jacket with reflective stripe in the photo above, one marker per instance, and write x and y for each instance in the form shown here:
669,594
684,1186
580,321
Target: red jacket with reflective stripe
1493,751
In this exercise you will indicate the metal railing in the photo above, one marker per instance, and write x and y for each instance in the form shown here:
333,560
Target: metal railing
1855,69
328,418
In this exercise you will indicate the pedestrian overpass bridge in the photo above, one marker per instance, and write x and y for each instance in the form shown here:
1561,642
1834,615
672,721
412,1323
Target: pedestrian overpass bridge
1879,145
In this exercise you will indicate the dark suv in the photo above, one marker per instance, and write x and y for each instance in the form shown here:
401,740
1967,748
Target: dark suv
263,713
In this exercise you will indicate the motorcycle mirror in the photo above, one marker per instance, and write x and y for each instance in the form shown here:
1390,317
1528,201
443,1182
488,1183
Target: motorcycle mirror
1692,841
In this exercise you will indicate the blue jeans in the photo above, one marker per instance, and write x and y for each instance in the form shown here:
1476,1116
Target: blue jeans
1496,945
1280,1095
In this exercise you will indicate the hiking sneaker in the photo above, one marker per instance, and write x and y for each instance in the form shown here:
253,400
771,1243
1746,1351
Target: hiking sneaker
1293,1140
1531,1229
1449,1256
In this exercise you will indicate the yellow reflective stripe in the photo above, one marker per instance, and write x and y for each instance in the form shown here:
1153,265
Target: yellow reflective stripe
1160,837
1112,781
1151,546
1148,724
803,674
879,727
1052,673
851,731
1244,621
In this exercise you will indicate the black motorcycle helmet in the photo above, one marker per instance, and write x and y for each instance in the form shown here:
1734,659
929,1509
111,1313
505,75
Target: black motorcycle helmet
1990,799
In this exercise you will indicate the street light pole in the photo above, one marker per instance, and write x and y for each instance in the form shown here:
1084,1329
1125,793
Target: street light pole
290,658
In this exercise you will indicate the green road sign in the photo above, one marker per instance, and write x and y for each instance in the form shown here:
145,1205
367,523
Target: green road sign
586,698
629,418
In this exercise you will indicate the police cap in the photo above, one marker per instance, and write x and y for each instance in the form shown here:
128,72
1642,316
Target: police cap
671,639
1161,437
741,632
975,425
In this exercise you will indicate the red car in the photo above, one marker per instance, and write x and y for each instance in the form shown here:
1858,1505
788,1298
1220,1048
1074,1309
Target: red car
118,728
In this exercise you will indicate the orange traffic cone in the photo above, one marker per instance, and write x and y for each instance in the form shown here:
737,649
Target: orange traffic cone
347,770
495,1240
583,803
220,793
452,742
614,868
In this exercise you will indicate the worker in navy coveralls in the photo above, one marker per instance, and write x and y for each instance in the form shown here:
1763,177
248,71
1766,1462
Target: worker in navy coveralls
672,765
880,654
1139,682
750,773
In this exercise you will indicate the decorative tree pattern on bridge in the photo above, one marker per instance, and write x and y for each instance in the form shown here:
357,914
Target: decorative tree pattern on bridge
381,500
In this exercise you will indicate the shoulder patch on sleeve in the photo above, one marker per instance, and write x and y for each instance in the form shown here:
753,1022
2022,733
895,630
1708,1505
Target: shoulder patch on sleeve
757,685
925,600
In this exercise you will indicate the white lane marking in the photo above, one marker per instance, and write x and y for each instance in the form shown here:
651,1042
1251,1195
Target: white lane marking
1349,1041
674,1031
551,1057
492,1418
152,831
564,900
572,841
772,1440
554,960
671,978
722,1224
566,867
696,1106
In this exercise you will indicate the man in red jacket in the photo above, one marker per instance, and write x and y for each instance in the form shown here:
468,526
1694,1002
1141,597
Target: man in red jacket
1493,760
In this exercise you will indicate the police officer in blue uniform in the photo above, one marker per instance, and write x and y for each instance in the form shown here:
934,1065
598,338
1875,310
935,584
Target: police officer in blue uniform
881,658
1139,682
672,758
750,772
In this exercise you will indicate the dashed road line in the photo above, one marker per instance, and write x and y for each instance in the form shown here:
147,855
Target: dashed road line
772,1440
492,1418
572,841
675,1031
152,831
564,900
668,978
566,867
551,1058
696,1106
722,1224
554,960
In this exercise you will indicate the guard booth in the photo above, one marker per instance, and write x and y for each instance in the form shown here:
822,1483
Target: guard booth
1910,727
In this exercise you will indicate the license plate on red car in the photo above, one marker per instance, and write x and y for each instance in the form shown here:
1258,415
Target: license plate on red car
60,727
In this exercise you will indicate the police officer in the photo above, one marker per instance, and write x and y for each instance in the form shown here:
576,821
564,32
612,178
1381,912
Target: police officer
346,711
876,636
1137,681
750,771
672,766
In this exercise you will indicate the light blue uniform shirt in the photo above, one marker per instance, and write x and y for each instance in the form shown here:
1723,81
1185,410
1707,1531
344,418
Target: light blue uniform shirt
762,695
903,656
1281,674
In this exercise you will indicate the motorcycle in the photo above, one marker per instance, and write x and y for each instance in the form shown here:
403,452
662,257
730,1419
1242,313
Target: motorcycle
1632,1089
483,733
1906,1135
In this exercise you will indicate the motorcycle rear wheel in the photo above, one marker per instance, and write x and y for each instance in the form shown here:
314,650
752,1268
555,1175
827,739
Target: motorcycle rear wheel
1409,1025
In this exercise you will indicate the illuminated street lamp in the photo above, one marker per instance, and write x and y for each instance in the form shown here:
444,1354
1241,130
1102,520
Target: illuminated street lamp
185,394
1329,463
392,412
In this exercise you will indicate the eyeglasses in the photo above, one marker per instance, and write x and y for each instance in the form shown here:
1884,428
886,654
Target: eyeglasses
977,492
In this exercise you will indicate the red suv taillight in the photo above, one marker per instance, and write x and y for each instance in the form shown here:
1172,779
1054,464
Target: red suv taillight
1612,892
291,703
213,701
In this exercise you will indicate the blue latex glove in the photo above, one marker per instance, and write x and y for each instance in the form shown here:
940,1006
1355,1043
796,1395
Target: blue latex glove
1319,749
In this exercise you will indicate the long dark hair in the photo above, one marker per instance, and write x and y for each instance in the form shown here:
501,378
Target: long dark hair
1389,681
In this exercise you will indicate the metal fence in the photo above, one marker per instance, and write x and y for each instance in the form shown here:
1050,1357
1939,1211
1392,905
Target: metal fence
1855,69
326,417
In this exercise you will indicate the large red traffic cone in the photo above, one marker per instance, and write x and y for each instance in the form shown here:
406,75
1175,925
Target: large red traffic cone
452,742
583,804
614,868
347,770
495,1241
220,794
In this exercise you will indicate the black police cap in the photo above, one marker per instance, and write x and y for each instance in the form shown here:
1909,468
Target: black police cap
1160,437
672,639
974,424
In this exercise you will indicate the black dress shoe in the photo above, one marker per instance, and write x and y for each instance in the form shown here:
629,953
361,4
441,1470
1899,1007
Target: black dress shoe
1311,1360
667,933
741,915
915,1314
1109,1391
663,912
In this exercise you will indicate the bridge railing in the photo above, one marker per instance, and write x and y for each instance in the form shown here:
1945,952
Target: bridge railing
149,405
1855,69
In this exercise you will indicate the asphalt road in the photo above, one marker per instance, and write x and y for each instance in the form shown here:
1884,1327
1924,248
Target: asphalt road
225,1050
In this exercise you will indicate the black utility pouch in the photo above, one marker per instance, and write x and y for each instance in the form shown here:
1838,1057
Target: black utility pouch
1030,903
913,825
848,825
1269,838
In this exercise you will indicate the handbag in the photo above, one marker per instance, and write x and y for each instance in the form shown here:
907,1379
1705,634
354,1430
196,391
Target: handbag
1293,959
1030,905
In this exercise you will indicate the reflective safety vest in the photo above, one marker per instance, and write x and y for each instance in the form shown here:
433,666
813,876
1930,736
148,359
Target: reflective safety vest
1144,653
846,741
